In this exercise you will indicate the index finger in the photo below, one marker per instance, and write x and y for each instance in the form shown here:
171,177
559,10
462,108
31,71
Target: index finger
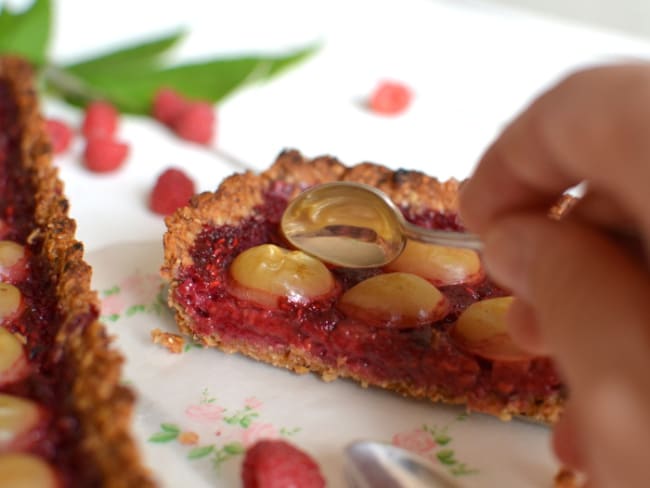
591,127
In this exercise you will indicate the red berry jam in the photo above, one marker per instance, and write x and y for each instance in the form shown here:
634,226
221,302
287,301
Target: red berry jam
50,378
425,357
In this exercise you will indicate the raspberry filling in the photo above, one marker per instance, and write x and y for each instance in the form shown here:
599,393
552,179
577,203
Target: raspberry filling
425,358
48,383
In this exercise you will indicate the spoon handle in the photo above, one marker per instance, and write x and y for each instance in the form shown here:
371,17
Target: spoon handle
443,237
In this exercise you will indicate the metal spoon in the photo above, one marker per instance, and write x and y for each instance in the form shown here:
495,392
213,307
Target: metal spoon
357,226
376,465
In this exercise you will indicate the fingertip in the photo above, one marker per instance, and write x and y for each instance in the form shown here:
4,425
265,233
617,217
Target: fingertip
466,206
566,443
618,422
524,329
506,255
479,194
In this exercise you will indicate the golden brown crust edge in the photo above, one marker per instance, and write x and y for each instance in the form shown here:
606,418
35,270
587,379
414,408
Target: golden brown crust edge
407,188
237,196
102,405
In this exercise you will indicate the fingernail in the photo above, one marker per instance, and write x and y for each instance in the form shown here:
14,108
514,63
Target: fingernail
506,258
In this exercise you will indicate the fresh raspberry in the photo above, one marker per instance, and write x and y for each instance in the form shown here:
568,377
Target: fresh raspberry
278,464
173,189
390,98
168,104
100,120
196,123
60,135
104,155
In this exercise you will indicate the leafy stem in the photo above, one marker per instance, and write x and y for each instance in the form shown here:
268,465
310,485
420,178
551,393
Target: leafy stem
129,76
66,84
243,418
226,452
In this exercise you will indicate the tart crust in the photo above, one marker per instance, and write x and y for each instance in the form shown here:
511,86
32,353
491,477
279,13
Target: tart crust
239,194
239,197
101,405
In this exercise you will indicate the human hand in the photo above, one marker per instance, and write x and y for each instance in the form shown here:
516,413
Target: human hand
584,297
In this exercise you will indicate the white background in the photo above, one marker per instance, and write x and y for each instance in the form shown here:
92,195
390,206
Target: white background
471,65
630,16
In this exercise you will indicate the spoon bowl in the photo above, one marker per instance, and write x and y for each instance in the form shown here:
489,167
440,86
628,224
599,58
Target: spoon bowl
371,464
357,226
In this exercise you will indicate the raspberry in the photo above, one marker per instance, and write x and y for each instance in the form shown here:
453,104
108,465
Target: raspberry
60,135
195,123
172,190
278,464
100,120
168,105
192,121
390,98
104,155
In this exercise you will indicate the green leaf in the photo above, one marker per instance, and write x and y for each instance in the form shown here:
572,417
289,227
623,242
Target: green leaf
443,439
133,91
196,345
26,33
199,452
111,291
246,421
288,432
133,309
170,428
205,394
163,437
138,57
234,448
463,470
446,456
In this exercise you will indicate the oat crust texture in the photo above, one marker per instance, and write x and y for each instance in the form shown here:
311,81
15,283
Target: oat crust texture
101,405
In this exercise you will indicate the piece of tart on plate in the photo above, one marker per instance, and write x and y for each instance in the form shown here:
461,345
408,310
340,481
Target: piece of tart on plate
64,416
427,325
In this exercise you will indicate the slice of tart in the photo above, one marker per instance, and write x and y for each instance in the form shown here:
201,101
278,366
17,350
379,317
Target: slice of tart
64,417
428,325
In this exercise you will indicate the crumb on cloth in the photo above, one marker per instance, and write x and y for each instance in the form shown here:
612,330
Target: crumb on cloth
172,342
188,438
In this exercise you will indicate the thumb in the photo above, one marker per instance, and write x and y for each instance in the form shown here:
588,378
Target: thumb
590,299
591,304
